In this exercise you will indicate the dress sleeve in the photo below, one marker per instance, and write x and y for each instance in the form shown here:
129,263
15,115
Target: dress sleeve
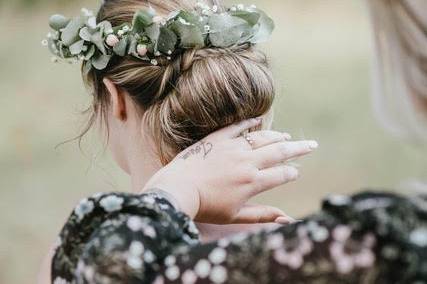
366,238
120,238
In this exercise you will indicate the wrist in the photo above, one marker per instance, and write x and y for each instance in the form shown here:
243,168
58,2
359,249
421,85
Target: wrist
181,202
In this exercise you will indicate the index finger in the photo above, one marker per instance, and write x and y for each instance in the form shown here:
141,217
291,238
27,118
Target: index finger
236,129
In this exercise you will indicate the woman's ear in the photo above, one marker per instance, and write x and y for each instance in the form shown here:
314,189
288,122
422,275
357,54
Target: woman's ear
117,99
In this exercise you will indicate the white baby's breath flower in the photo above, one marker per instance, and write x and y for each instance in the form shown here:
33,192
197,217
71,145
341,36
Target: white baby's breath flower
154,62
240,7
45,42
111,203
120,32
92,22
126,29
207,28
214,8
87,12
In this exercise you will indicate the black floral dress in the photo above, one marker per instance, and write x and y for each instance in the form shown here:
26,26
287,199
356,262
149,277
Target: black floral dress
123,238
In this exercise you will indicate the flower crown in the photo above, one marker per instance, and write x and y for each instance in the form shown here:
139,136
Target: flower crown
150,35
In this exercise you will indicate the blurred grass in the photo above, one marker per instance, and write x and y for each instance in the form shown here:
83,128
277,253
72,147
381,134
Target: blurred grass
320,54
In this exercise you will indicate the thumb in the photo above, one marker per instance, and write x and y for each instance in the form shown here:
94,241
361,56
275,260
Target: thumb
257,213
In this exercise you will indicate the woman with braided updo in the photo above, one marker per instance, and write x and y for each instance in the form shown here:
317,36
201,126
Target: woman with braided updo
171,92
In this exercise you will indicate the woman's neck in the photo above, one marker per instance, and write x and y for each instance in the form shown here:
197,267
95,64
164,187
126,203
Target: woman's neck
141,168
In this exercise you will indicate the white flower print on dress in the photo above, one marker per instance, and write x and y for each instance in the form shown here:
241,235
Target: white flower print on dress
111,203
218,274
59,280
189,277
84,207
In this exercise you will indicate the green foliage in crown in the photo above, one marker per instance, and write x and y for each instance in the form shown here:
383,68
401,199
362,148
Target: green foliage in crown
150,36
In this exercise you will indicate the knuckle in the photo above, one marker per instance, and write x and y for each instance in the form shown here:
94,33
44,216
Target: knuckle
249,176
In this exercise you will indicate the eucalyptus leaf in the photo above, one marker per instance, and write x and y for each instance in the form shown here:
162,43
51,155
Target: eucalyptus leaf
70,34
121,47
58,22
190,36
153,33
227,30
189,17
98,40
90,52
264,29
100,61
53,46
167,40
77,47
85,34
107,27
172,15
91,22
132,47
141,20
251,17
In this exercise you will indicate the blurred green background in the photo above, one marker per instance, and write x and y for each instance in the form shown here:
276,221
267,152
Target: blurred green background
320,54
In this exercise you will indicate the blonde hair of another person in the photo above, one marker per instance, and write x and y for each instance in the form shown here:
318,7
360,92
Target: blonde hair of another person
400,69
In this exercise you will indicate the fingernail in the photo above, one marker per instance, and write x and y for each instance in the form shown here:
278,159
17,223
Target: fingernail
313,145
287,136
284,220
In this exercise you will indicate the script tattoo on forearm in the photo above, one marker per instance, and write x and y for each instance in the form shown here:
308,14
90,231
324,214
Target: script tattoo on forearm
202,147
